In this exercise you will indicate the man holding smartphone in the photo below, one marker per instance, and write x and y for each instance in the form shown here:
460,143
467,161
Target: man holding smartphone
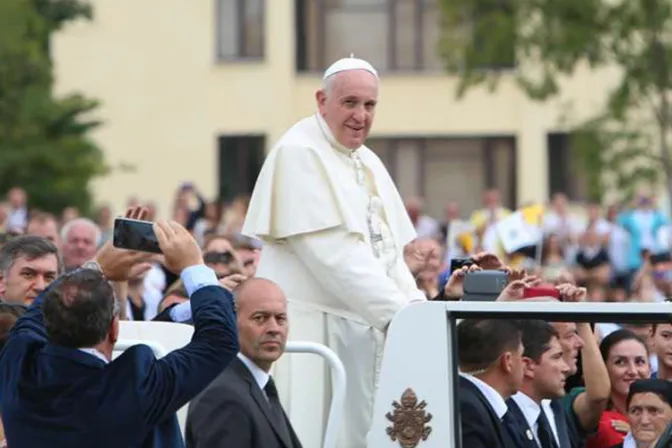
58,382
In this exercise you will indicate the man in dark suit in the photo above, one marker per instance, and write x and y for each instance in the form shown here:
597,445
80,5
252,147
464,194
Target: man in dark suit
59,386
241,407
491,370
535,422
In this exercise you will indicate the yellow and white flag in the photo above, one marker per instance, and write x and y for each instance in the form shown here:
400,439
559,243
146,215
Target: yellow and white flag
522,228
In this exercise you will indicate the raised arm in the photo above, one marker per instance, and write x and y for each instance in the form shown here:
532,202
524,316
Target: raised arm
169,383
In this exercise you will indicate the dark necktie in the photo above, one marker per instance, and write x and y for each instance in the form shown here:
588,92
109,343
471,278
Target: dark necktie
544,432
276,408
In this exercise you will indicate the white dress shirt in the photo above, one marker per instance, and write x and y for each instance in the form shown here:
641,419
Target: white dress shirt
194,278
531,411
260,377
491,395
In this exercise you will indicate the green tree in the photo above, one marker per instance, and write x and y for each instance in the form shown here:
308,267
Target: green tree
44,144
627,142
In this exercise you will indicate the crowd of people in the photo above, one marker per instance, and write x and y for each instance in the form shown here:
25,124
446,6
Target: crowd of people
332,254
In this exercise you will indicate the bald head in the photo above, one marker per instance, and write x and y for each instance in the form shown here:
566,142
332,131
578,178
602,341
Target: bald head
262,321
254,288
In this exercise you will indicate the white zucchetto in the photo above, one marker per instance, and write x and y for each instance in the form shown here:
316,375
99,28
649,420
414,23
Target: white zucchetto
351,63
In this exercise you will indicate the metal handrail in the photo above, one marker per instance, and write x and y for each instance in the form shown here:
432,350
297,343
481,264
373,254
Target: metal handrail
336,409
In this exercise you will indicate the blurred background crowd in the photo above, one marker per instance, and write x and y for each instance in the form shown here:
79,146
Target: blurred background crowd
619,252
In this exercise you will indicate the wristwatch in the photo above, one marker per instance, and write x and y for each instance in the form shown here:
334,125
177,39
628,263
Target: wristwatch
92,264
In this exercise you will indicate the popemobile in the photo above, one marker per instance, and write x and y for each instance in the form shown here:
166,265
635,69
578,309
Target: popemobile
417,393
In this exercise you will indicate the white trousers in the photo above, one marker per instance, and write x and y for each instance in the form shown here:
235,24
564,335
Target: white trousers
304,380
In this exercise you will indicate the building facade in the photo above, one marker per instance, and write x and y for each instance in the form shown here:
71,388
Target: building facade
199,91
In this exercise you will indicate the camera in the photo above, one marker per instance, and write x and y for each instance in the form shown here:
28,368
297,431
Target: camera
484,286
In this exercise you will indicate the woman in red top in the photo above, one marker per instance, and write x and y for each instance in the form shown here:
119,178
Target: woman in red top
627,358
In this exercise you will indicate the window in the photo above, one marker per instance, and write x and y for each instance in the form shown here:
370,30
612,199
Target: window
240,160
393,35
450,169
239,29
563,168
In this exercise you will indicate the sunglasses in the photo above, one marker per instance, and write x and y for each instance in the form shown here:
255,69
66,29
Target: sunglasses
218,257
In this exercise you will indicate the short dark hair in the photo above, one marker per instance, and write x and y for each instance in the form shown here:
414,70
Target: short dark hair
79,308
537,336
481,342
9,314
31,247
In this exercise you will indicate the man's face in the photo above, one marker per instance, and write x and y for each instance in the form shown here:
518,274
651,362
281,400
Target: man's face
571,343
661,343
349,106
80,245
262,326
26,279
648,416
550,374
46,229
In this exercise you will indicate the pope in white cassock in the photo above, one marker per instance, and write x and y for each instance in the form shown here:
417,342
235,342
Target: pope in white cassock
334,228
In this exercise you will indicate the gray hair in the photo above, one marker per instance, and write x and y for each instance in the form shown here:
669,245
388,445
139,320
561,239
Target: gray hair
65,231
29,246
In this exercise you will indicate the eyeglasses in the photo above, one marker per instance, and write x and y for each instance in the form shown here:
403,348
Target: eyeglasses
218,257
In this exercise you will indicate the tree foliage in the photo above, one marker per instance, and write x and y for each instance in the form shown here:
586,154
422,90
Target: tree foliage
44,144
550,39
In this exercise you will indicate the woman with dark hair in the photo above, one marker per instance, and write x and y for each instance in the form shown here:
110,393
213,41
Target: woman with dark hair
627,359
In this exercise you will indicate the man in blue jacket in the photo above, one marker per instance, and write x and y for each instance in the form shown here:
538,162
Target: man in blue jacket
58,384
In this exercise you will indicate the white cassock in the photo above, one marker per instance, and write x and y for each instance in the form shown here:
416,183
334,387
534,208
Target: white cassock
334,228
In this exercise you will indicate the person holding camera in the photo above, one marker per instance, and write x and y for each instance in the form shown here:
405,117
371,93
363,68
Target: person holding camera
60,387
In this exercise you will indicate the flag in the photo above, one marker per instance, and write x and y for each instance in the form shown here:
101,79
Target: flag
521,231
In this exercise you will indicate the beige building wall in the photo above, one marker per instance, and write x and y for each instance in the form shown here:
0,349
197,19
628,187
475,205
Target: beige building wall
165,99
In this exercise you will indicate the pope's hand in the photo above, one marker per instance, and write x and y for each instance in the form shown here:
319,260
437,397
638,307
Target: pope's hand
418,254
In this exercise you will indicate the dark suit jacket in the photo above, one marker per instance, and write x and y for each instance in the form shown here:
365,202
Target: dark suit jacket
481,428
52,396
568,434
233,412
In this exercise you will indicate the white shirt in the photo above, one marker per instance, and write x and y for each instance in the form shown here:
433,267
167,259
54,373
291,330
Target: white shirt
629,441
96,353
531,411
491,395
260,377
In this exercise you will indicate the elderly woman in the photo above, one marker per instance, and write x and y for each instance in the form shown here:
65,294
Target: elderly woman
649,412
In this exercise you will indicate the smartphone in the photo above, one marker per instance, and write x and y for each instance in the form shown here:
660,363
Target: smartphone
541,291
137,235
459,263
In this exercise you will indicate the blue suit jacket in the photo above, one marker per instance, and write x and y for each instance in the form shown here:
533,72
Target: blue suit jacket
52,396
